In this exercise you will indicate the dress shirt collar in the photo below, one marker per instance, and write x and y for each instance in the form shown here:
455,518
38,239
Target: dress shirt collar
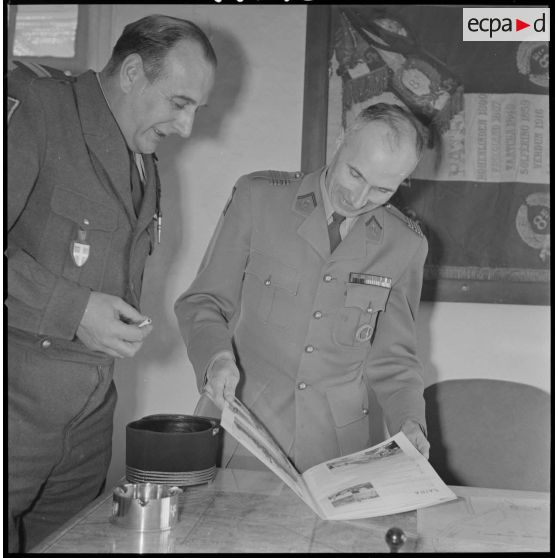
348,222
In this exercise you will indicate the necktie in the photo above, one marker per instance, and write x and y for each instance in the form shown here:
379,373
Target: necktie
334,231
136,184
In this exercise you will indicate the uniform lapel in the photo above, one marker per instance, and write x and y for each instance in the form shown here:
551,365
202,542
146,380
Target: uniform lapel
104,140
353,246
367,230
308,203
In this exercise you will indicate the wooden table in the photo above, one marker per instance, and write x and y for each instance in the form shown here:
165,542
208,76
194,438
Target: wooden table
254,511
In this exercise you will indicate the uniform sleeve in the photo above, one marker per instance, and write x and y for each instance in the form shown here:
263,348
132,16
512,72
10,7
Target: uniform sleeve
38,301
393,369
206,309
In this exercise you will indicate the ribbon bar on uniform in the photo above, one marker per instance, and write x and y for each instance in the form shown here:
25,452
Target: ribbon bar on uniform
366,279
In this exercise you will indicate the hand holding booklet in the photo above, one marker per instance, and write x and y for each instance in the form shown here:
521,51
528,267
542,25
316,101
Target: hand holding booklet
390,477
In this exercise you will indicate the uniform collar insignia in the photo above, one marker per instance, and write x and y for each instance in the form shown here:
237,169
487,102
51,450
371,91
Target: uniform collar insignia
374,230
306,203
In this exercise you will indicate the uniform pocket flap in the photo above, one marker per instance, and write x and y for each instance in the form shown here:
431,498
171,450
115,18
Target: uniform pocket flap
273,273
366,296
87,213
348,402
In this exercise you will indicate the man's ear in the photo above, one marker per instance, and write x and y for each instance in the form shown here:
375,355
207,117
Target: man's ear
131,70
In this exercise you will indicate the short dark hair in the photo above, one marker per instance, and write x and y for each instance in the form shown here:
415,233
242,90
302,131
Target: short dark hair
394,116
152,37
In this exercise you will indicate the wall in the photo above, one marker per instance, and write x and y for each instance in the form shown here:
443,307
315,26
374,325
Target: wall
254,122
495,341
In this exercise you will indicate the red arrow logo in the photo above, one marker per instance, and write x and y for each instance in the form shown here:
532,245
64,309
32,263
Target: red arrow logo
519,25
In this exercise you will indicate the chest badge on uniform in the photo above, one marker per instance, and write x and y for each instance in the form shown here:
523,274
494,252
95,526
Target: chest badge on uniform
80,249
364,333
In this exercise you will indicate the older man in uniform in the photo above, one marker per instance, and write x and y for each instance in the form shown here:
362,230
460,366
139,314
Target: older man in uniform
83,211
317,319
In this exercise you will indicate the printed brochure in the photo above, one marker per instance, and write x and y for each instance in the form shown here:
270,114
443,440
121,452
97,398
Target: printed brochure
390,477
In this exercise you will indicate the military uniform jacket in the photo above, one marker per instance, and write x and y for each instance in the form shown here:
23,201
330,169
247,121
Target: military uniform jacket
313,330
69,181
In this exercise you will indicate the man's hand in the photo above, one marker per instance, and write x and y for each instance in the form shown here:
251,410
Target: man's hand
222,379
414,432
109,325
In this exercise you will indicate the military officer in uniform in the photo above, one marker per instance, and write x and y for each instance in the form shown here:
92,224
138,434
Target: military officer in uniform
83,214
307,298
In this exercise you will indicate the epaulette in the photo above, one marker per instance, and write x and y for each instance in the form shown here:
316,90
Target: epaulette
34,70
24,74
277,178
412,224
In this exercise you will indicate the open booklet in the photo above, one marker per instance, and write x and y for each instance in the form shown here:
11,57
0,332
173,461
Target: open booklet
391,477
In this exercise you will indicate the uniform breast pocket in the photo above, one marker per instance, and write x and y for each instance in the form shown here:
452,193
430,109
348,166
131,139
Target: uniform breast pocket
356,322
270,289
79,235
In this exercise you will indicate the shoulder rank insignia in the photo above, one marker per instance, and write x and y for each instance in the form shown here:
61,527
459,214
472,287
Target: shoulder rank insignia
12,106
411,223
42,71
278,178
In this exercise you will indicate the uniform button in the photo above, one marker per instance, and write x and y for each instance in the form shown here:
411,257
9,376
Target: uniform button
46,343
309,349
86,221
301,385
267,282
370,309
317,314
364,411
327,278
297,175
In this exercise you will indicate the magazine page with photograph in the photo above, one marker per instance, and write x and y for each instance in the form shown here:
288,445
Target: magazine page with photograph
391,477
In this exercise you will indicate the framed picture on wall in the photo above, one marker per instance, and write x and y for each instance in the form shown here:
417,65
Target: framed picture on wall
481,192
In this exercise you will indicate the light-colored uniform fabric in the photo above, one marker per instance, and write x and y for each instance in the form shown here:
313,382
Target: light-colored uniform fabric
310,339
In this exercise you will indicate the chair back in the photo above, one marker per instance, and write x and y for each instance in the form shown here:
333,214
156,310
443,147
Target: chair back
489,433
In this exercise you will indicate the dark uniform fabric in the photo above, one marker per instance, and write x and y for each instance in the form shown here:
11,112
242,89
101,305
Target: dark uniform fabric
68,182
314,330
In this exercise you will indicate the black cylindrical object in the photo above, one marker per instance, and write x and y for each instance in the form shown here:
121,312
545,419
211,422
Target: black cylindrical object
172,444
